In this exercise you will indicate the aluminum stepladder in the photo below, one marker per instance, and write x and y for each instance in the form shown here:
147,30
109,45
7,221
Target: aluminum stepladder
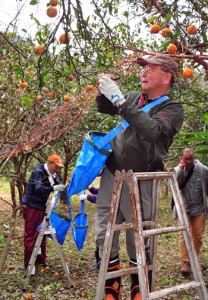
46,229
149,229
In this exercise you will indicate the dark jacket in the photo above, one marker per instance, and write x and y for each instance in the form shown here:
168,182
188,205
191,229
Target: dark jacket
144,145
38,188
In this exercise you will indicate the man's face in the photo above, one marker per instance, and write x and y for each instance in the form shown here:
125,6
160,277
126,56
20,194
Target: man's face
188,158
53,168
152,77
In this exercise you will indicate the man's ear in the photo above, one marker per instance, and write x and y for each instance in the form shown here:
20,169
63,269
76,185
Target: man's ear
167,78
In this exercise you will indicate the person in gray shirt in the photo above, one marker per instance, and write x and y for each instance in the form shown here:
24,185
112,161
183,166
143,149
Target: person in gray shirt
194,195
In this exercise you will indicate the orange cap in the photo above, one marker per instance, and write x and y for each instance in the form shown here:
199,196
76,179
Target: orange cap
56,159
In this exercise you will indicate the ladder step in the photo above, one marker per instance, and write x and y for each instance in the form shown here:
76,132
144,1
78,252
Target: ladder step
158,231
124,272
173,289
126,226
150,232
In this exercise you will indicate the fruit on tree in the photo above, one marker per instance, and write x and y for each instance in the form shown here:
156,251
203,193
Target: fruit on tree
39,49
172,49
63,38
66,98
53,2
52,12
166,32
23,84
155,28
188,72
89,88
191,29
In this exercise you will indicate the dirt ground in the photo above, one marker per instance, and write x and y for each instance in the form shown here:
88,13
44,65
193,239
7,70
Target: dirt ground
46,286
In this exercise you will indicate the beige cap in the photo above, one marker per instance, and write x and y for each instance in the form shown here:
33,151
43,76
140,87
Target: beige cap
164,61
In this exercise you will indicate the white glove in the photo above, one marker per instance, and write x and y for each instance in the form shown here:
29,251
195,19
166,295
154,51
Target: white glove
82,197
59,187
109,88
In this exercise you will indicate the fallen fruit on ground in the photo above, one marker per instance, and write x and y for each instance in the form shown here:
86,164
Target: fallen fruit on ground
56,274
191,29
52,12
42,270
172,49
8,267
66,98
39,97
188,72
166,32
23,84
63,38
39,49
70,77
45,90
155,28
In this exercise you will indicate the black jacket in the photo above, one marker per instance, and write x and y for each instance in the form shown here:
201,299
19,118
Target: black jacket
38,188
144,145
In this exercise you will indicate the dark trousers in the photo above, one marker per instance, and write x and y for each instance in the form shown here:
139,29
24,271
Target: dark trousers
33,218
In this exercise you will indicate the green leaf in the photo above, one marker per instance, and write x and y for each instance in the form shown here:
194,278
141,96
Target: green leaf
37,22
152,19
26,101
166,43
17,71
110,53
33,2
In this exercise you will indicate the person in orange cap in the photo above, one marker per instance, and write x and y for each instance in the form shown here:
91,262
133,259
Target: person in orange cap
43,180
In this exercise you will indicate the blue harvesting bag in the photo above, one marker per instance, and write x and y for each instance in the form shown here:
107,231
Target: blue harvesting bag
89,163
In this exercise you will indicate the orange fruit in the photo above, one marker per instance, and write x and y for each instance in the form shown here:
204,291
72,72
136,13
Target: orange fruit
51,12
63,38
66,98
53,2
18,91
172,49
28,296
8,267
35,120
56,274
155,28
166,32
39,97
51,95
89,88
188,72
23,84
191,29
39,49
45,90
42,270
70,77
47,268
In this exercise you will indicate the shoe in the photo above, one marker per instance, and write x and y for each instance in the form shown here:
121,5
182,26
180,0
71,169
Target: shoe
113,285
95,266
186,268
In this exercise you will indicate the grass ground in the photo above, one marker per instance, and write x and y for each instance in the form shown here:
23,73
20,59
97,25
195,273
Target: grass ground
52,283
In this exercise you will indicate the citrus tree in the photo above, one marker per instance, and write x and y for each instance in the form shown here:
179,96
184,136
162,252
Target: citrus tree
49,77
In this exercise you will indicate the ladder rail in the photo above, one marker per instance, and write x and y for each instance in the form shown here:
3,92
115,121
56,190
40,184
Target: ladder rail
141,233
46,229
